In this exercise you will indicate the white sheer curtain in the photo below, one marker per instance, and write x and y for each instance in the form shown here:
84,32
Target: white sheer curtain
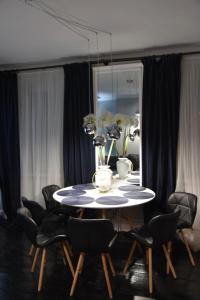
188,176
41,100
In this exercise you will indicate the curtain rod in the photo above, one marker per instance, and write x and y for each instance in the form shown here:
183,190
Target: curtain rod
104,61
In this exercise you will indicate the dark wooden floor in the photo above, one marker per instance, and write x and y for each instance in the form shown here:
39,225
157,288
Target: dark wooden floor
16,281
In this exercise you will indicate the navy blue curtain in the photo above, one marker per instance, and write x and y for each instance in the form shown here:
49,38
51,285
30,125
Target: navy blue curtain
160,122
78,152
9,144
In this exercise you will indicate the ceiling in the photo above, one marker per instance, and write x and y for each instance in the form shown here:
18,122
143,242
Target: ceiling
29,36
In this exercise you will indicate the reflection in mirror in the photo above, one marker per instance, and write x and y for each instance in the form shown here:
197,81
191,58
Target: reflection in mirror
118,89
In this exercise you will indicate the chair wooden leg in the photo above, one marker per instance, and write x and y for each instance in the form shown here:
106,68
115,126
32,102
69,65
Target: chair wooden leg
42,269
103,258
68,259
31,250
111,264
191,258
150,270
69,248
35,260
79,265
81,213
169,261
129,257
62,252
169,250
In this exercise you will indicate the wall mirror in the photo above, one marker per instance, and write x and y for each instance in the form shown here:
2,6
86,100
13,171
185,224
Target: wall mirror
118,89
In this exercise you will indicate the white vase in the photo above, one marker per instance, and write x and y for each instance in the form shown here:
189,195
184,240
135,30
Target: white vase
130,169
103,178
123,167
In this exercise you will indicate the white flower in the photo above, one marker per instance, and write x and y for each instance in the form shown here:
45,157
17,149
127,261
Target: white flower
133,121
121,120
89,119
105,119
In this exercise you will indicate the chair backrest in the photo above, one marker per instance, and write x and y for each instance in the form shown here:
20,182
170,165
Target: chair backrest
48,192
186,203
27,223
36,210
90,235
163,227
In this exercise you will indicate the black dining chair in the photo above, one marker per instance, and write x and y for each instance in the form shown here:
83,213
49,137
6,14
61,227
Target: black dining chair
54,206
41,216
38,213
186,204
48,192
157,233
42,240
93,237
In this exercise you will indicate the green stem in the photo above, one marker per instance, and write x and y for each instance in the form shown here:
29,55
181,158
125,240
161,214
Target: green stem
126,145
110,150
99,155
103,154
124,142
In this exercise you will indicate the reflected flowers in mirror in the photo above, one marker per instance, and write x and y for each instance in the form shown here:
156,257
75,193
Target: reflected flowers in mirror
99,141
89,124
133,130
109,127
113,132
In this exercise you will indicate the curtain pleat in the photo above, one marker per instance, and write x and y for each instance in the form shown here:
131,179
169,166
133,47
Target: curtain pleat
160,122
41,100
188,172
78,152
9,144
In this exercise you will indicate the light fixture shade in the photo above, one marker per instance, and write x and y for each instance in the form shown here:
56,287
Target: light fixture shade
137,132
113,132
90,128
99,140
132,137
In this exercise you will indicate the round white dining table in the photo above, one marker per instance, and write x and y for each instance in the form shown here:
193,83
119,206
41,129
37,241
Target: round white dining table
123,193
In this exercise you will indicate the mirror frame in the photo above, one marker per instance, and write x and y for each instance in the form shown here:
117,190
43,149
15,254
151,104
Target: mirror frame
132,66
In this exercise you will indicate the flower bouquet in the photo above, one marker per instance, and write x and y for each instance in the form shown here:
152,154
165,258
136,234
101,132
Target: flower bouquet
109,128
